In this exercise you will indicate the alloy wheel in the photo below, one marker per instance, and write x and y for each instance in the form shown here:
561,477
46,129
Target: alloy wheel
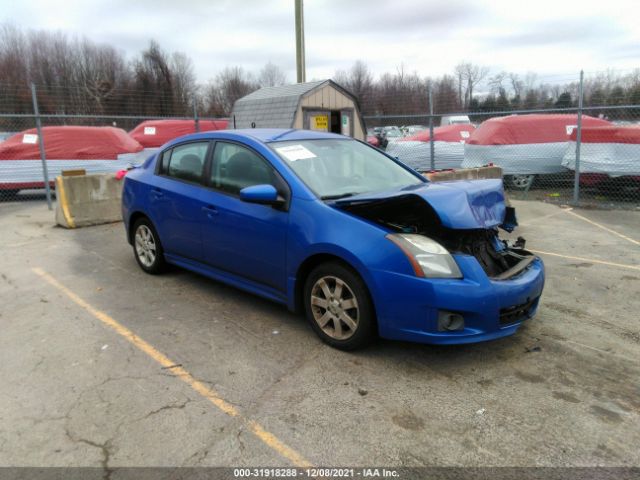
334,307
522,182
145,246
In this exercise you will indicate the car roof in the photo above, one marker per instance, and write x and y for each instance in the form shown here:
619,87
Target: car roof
267,135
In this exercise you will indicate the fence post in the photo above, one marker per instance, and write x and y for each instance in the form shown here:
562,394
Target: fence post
576,179
43,157
195,115
431,145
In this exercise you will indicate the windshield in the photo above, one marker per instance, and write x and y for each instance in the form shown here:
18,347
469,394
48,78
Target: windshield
335,168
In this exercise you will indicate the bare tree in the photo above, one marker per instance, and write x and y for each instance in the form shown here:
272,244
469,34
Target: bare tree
530,80
469,76
153,74
184,82
444,95
101,72
400,93
229,85
517,85
14,74
359,81
271,75
80,76
496,82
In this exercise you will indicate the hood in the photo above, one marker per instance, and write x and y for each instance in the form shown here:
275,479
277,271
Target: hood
460,204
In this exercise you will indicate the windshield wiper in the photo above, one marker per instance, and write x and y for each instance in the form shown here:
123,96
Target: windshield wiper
340,195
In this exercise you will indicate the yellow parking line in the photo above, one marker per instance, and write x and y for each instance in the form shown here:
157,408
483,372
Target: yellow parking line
543,217
207,392
629,239
590,260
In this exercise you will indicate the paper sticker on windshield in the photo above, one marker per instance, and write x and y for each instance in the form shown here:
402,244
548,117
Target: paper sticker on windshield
30,138
149,130
570,129
295,152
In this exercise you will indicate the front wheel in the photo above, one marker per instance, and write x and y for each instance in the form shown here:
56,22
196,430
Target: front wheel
10,194
338,306
147,248
520,182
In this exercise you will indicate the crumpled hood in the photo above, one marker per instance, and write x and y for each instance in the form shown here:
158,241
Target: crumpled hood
460,204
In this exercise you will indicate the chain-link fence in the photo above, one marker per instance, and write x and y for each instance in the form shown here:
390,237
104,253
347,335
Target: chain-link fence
36,147
578,153
583,154
543,153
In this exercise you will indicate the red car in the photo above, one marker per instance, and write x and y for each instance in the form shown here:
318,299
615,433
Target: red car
94,149
155,133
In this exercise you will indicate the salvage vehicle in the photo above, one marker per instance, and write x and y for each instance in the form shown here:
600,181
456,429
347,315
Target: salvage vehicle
528,148
331,226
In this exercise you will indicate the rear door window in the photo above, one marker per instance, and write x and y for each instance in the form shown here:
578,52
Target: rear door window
185,162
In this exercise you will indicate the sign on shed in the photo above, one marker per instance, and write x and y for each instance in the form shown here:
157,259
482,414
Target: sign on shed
320,122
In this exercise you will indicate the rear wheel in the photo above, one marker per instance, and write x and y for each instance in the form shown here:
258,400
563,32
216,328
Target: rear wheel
147,248
338,306
520,182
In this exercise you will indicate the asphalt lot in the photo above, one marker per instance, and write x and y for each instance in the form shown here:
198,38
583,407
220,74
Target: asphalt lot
103,365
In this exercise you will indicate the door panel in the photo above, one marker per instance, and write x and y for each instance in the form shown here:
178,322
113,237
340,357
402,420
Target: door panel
346,122
175,200
243,238
177,211
316,120
246,239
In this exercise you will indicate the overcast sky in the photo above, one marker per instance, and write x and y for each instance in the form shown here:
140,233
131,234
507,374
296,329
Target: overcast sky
549,37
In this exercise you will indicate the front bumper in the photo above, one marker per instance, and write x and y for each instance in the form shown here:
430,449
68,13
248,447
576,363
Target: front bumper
408,307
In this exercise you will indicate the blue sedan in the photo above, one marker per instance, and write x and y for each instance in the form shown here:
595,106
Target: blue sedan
328,225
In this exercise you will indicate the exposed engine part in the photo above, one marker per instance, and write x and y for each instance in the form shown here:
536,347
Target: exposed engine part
405,215
519,243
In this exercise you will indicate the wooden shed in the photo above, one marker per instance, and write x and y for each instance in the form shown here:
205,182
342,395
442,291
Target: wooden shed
322,105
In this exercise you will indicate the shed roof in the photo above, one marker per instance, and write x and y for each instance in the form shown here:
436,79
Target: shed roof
274,107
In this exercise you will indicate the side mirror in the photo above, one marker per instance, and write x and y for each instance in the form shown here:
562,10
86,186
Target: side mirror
263,194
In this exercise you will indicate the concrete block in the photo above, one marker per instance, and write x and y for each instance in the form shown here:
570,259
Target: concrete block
464,174
88,200
467,174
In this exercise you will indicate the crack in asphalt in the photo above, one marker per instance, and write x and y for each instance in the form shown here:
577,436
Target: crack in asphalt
172,406
105,449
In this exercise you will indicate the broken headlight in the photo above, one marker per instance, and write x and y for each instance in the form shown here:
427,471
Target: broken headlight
427,257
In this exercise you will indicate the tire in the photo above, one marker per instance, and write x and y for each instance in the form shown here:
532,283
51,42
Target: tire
347,320
147,247
9,194
520,182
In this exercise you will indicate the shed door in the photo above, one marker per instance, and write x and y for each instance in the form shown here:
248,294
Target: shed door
316,120
346,122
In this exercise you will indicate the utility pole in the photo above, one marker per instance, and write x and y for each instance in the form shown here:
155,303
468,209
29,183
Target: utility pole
432,156
43,157
300,64
576,177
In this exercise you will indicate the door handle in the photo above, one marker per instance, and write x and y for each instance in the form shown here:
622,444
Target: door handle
210,210
157,193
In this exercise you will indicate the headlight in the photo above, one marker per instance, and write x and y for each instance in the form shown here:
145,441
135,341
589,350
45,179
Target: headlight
427,257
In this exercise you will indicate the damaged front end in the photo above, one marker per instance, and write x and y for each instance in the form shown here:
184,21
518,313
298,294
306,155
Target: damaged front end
463,217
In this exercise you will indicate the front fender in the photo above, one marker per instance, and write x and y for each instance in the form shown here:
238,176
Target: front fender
318,229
